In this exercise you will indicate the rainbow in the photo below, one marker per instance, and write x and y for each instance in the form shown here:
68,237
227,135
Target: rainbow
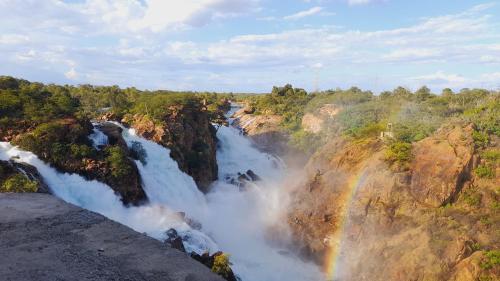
332,257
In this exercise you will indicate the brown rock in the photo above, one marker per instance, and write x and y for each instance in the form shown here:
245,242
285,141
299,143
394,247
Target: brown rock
264,130
190,136
441,165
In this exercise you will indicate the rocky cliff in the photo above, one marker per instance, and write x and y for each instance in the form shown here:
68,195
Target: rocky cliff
264,130
435,221
190,136
65,145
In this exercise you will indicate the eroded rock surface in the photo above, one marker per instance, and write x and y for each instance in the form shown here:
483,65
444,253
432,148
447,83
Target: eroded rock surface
45,239
264,130
428,223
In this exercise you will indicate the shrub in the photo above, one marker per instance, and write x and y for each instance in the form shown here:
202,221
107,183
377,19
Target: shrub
491,259
399,154
472,198
19,183
491,155
222,266
484,171
480,139
118,161
81,151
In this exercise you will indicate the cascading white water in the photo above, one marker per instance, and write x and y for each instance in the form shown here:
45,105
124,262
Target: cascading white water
237,222
153,219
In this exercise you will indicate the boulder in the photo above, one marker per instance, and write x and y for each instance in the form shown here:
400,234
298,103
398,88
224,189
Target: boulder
174,240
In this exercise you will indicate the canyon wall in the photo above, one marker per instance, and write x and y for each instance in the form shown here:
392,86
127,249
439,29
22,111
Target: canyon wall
434,221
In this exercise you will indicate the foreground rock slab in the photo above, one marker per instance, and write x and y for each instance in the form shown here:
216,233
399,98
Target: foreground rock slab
44,238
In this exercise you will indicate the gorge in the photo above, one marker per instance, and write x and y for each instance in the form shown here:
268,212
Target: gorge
338,185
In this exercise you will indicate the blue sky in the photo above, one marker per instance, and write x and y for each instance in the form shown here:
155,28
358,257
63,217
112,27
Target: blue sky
251,45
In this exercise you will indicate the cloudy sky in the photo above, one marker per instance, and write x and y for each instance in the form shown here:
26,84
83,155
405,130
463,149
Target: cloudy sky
251,45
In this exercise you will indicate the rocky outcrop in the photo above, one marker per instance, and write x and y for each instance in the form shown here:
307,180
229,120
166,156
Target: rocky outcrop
423,224
211,261
264,130
190,136
442,164
45,239
12,168
127,185
314,122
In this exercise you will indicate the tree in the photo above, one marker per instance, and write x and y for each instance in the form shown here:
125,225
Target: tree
423,93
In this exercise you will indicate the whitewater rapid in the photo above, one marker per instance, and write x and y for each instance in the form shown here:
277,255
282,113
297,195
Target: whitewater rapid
248,224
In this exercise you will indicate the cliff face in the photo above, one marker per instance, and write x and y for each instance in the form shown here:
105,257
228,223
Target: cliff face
189,135
264,130
436,221
64,144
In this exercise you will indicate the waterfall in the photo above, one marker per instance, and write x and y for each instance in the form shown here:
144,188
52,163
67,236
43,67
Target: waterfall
238,221
153,219
235,221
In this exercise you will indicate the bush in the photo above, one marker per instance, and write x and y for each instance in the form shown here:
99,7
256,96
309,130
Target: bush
19,183
491,259
398,154
480,139
118,161
472,198
484,171
492,156
222,266
80,151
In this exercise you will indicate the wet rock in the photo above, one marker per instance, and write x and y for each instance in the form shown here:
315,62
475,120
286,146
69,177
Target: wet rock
114,134
243,177
174,240
253,176
129,187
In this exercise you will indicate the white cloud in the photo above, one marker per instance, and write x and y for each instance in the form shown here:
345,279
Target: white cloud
13,39
302,14
359,2
412,54
131,43
71,74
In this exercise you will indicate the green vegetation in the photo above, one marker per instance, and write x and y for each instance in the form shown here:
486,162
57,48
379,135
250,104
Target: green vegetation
412,116
491,259
472,198
117,160
222,266
287,102
398,154
484,171
18,183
